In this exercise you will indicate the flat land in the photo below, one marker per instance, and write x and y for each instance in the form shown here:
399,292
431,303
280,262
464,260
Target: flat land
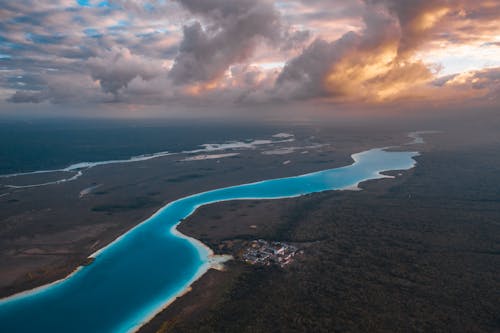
47,232
418,253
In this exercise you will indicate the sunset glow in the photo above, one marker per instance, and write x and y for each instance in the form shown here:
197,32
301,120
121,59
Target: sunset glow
156,52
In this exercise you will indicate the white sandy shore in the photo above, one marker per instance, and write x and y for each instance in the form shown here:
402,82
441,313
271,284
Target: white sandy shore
212,262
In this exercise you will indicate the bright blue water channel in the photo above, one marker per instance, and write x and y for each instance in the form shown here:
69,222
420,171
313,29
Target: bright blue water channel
135,276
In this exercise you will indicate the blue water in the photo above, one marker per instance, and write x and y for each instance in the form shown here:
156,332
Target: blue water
135,276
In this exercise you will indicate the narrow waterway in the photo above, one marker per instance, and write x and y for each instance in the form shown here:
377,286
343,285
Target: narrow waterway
138,274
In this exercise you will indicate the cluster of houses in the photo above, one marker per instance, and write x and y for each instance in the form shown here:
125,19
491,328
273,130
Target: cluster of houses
261,252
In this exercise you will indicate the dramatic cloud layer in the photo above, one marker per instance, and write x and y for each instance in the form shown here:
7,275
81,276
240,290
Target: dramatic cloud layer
379,62
233,30
249,52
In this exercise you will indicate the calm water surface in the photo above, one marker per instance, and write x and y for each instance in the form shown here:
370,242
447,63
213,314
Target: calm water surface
135,276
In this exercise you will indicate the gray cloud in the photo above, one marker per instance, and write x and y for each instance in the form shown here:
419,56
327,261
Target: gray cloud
233,29
23,96
115,69
303,76
62,89
486,81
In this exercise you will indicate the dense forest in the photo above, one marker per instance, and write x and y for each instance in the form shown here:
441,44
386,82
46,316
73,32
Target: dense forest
419,253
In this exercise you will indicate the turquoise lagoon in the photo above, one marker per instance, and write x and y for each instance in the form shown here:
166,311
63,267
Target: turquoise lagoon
140,272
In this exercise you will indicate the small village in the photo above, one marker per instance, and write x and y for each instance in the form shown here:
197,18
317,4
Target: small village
261,252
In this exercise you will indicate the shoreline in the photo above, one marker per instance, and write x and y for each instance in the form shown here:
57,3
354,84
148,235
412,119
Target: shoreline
80,167
203,250
381,243
67,265
214,262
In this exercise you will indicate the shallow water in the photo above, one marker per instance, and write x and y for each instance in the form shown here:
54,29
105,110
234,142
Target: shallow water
135,276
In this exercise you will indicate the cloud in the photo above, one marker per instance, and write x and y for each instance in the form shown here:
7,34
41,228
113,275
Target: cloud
247,52
378,63
230,33
60,88
482,85
371,64
22,96
116,68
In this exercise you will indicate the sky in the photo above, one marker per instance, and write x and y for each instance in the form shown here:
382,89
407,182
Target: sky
140,58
